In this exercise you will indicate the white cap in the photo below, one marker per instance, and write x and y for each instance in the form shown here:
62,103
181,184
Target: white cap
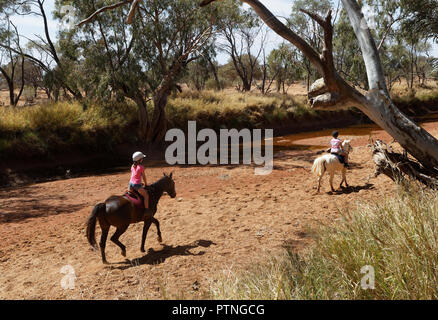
138,156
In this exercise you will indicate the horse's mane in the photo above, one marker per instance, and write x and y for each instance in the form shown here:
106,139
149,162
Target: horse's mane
153,188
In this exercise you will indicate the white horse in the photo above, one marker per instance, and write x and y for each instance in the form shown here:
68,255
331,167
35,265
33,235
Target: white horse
331,163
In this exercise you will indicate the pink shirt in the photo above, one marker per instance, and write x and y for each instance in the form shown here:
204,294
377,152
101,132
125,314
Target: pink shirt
136,173
336,145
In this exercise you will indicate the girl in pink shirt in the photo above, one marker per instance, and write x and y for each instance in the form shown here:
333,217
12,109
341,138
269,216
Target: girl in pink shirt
137,174
337,148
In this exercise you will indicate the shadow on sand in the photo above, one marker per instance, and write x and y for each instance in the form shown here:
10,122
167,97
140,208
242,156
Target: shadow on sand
20,204
353,189
157,257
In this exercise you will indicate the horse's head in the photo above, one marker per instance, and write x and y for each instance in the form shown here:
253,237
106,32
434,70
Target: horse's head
346,145
169,185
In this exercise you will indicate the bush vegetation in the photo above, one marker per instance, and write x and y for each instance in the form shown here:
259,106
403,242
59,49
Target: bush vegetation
42,130
396,236
39,131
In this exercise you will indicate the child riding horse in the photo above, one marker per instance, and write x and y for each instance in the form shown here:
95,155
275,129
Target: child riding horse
120,212
338,150
137,174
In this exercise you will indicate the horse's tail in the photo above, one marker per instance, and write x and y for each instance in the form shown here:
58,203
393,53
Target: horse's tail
91,223
319,166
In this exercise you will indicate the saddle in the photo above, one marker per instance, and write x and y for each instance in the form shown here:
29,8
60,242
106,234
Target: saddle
136,198
340,157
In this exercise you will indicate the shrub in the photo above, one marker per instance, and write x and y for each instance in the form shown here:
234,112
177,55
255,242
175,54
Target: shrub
396,236
55,117
39,131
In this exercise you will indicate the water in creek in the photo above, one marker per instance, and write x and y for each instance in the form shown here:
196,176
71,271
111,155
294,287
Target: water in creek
298,141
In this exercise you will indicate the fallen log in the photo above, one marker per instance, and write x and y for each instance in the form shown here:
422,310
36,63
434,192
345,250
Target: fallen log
399,167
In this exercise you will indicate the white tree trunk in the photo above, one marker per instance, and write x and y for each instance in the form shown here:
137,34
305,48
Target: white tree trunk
333,92
378,105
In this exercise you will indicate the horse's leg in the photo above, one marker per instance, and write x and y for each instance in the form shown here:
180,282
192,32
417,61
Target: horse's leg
319,180
102,243
157,224
319,183
344,176
147,224
331,180
105,229
116,236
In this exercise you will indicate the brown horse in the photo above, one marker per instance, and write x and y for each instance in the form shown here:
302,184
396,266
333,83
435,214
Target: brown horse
118,211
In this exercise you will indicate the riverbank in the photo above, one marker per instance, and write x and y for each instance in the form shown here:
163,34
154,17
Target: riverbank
58,141
223,221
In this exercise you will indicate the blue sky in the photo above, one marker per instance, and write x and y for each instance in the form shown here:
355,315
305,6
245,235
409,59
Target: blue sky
30,25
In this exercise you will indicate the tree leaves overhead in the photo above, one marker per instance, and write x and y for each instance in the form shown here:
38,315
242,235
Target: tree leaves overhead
422,16
142,53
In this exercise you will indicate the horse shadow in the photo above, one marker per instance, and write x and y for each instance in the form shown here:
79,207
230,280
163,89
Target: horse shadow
158,257
353,189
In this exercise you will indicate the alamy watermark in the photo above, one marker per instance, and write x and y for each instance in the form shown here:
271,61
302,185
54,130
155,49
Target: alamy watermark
368,280
222,149
68,281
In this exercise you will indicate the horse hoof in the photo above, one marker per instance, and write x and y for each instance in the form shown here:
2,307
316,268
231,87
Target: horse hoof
160,240
143,250
124,253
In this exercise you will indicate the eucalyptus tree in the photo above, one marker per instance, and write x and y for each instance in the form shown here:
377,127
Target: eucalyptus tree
386,17
241,32
52,63
347,55
422,16
200,71
308,29
400,46
197,74
392,28
145,59
332,92
284,66
11,59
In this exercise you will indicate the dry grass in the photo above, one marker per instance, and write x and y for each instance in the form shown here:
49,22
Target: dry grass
229,108
55,127
52,127
401,89
396,236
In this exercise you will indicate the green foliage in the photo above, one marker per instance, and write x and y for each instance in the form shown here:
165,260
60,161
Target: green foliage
348,57
422,16
284,66
197,74
214,109
55,118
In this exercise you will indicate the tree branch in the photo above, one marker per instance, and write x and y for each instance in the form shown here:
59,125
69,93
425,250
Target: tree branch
283,31
131,13
396,166
376,77
106,8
